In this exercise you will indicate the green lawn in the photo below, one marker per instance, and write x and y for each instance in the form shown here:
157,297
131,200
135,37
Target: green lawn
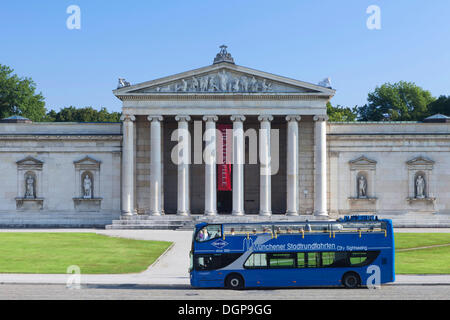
24,252
422,261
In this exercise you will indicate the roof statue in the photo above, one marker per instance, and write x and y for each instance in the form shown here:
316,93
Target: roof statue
325,83
123,83
223,56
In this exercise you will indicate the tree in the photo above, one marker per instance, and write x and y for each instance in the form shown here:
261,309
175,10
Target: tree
441,105
401,101
87,114
341,114
18,96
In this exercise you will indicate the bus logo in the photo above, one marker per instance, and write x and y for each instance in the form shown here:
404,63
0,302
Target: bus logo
220,244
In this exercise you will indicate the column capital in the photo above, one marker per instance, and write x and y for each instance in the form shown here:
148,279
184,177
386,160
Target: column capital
320,118
237,117
265,117
293,118
127,117
183,118
155,118
209,118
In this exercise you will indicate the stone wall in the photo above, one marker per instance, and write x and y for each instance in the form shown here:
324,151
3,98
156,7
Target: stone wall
391,155
57,155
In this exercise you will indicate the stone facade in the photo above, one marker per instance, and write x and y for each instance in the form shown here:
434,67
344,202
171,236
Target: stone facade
57,156
318,169
391,155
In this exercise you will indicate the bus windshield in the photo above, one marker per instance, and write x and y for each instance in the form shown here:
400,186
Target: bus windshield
209,232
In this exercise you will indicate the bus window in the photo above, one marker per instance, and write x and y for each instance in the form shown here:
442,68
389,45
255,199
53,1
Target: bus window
312,259
214,261
357,258
209,232
327,258
301,260
256,260
281,260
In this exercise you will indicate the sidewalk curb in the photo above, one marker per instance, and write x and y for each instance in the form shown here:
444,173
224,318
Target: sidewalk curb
161,256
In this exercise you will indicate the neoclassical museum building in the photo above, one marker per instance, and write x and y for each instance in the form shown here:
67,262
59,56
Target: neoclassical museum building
222,142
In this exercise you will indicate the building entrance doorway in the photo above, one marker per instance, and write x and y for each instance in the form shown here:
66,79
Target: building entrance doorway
224,202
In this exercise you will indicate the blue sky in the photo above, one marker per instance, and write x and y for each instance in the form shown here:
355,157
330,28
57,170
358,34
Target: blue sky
144,40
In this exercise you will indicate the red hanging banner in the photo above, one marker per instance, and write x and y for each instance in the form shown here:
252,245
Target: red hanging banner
224,165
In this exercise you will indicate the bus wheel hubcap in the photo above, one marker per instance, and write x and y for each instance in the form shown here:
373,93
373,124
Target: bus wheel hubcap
234,282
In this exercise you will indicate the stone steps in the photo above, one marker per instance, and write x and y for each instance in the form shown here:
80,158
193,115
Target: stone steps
174,222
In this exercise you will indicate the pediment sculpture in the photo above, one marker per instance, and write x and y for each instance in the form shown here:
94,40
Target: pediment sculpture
221,81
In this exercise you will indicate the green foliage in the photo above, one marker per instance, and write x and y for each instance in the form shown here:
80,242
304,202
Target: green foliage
401,101
341,114
18,96
441,105
87,114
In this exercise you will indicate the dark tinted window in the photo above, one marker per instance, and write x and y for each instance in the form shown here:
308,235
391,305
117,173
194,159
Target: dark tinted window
214,261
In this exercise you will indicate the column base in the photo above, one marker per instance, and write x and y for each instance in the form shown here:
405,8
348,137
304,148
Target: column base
238,213
321,214
265,213
155,213
183,213
292,213
128,213
210,213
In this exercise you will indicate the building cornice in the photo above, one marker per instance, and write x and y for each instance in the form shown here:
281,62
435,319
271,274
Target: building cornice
113,137
224,96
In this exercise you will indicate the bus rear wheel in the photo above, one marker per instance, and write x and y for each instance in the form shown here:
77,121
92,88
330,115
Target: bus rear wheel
234,281
351,280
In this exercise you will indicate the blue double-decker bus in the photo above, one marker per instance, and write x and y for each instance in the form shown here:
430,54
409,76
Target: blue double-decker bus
353,251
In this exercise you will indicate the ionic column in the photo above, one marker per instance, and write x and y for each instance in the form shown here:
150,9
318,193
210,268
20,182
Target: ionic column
292,166
265,188
184,160
128,165
320,155
155,165
210,165
238,164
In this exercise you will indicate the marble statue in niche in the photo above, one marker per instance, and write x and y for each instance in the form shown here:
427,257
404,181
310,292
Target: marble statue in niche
87,187
420,187
362,187
29,187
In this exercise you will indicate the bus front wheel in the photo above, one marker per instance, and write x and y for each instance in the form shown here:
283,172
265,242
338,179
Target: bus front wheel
351,280
234,281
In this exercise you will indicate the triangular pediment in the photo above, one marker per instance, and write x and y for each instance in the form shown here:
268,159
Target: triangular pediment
87,163
362,162
87,160
418,161
224,78
29,161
